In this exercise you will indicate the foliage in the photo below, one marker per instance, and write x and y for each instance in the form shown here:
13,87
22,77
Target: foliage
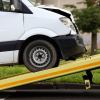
6,71
70,6
90,2
88,20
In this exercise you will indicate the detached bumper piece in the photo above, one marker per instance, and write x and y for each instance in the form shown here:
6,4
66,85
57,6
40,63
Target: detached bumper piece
70,45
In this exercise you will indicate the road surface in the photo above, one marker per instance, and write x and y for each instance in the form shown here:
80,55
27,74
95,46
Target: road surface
59,94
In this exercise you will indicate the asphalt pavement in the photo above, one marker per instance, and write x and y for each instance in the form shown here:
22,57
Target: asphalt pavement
68,91
57,94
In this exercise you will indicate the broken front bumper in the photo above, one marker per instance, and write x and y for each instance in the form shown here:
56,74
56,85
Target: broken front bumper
70,45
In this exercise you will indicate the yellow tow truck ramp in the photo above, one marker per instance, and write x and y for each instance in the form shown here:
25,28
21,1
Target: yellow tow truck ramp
72,67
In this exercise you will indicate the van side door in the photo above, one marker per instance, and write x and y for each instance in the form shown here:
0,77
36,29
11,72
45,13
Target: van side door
11,28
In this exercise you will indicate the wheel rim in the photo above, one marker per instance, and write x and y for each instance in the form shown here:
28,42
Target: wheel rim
40,57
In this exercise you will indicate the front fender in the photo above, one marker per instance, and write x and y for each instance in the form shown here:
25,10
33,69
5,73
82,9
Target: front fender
38,31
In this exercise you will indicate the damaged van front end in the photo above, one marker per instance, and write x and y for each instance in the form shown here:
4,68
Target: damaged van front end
71,45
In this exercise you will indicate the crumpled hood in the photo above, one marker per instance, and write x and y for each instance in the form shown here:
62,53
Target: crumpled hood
59,11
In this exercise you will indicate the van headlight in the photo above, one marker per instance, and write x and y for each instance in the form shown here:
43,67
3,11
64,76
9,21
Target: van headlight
64,20
72,27
67,23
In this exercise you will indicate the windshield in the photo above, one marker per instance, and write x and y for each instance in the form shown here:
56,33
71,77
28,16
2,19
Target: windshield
33,2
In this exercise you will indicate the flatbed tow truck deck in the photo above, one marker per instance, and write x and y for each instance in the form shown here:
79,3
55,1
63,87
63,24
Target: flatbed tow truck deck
72,67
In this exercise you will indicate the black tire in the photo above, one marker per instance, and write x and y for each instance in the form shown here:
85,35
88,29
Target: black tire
40,55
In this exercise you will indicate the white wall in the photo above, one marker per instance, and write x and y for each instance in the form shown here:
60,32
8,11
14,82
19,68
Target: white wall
87,39
60,3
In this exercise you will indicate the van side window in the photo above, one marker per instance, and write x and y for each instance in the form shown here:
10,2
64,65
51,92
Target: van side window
17,5
14,6
6,5
1,5
10,5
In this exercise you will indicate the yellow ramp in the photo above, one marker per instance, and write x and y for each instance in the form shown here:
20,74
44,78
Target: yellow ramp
72,67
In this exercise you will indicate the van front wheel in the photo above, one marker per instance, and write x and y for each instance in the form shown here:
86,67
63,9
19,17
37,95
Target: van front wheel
39,55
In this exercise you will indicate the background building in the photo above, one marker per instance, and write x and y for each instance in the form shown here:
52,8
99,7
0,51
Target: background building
61,3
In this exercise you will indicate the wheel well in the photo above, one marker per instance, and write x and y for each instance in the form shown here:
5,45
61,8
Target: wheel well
36,37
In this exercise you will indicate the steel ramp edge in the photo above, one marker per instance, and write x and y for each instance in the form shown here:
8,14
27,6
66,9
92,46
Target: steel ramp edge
72,67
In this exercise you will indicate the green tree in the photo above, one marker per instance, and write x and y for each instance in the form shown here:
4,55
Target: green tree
88,20
90,2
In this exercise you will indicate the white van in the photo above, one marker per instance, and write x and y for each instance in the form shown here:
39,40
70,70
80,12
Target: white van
36,36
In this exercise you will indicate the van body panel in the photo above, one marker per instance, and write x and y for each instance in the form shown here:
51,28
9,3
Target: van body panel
11,28
17,26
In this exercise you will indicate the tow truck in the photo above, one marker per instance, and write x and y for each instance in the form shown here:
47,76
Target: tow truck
39,37
72,67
